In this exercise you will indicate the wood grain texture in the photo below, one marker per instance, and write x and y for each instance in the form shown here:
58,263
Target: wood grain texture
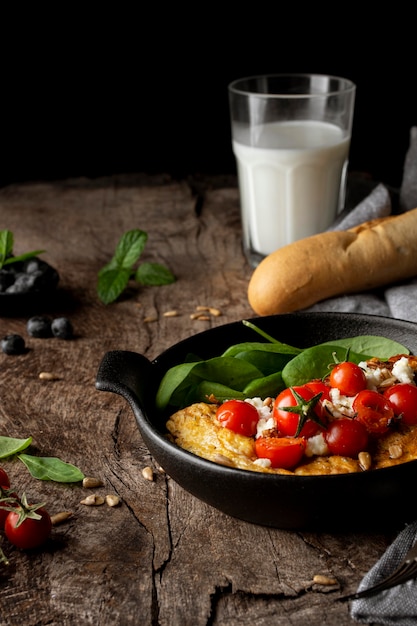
162,558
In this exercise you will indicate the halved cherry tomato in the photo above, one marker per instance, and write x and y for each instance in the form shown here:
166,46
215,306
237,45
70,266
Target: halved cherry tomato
4,479
374,411
283,452
346,437
348,378
239,416
307,414
403,398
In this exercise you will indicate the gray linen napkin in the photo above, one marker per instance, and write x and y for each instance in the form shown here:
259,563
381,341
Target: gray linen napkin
399,300
396,606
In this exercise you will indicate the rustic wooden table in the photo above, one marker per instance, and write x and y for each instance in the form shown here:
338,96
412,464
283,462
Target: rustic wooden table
162,557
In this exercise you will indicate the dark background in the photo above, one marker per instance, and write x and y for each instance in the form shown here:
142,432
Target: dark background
146,91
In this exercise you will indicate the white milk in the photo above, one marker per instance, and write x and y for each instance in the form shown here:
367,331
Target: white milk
291,184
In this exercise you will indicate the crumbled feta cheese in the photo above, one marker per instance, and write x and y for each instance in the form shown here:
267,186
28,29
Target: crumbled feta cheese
264,424
317,445
266,420
264,410
263,462
402,371
374,375
339,405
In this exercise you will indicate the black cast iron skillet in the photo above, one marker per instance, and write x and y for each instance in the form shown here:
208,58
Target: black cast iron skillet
375,499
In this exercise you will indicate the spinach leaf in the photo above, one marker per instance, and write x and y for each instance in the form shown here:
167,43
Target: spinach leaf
248,346
266,362
264,387
175,378
372,345
314,363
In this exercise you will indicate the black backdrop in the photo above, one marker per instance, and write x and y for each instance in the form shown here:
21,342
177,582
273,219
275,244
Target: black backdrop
136,91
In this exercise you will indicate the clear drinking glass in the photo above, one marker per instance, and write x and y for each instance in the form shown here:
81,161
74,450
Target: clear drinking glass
291,137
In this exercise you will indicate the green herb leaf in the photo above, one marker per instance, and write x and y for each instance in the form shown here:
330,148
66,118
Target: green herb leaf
154,274
6,245
22,257
51,468
111,284
113,278
129,248
6,250
10,446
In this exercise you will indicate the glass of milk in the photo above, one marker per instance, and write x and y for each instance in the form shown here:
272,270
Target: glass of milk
291,137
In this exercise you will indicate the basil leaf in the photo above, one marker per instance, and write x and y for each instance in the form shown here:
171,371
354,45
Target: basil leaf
111,284
130,247
51,468
10,446
22,257
6,245
154,274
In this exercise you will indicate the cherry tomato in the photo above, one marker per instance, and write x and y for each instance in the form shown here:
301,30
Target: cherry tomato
283,452
288,421
346,437
8,499
403,398
239,416
319,386
4,479
31,533
374,411
348,378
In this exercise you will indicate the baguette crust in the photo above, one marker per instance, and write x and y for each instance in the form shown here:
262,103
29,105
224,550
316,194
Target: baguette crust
373,254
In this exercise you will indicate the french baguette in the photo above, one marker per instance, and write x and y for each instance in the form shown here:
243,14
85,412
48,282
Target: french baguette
371,255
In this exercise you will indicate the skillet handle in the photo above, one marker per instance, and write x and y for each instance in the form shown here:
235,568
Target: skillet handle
127,374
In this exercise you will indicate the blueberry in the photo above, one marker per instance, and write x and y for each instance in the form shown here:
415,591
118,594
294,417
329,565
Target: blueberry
39,326
13,344
62,328
23,283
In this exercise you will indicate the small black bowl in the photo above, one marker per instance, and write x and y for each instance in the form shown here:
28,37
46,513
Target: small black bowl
27,287
375,499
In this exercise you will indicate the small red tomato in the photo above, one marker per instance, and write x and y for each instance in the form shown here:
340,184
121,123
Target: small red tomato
239,416
374,411
283,452
29,526
305,414
348,378
403,398
8,499
4,479
319,386
346,437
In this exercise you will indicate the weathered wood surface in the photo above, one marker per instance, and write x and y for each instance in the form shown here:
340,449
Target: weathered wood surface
163,557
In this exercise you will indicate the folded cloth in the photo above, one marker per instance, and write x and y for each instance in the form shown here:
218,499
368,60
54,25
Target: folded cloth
399,300
396,606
